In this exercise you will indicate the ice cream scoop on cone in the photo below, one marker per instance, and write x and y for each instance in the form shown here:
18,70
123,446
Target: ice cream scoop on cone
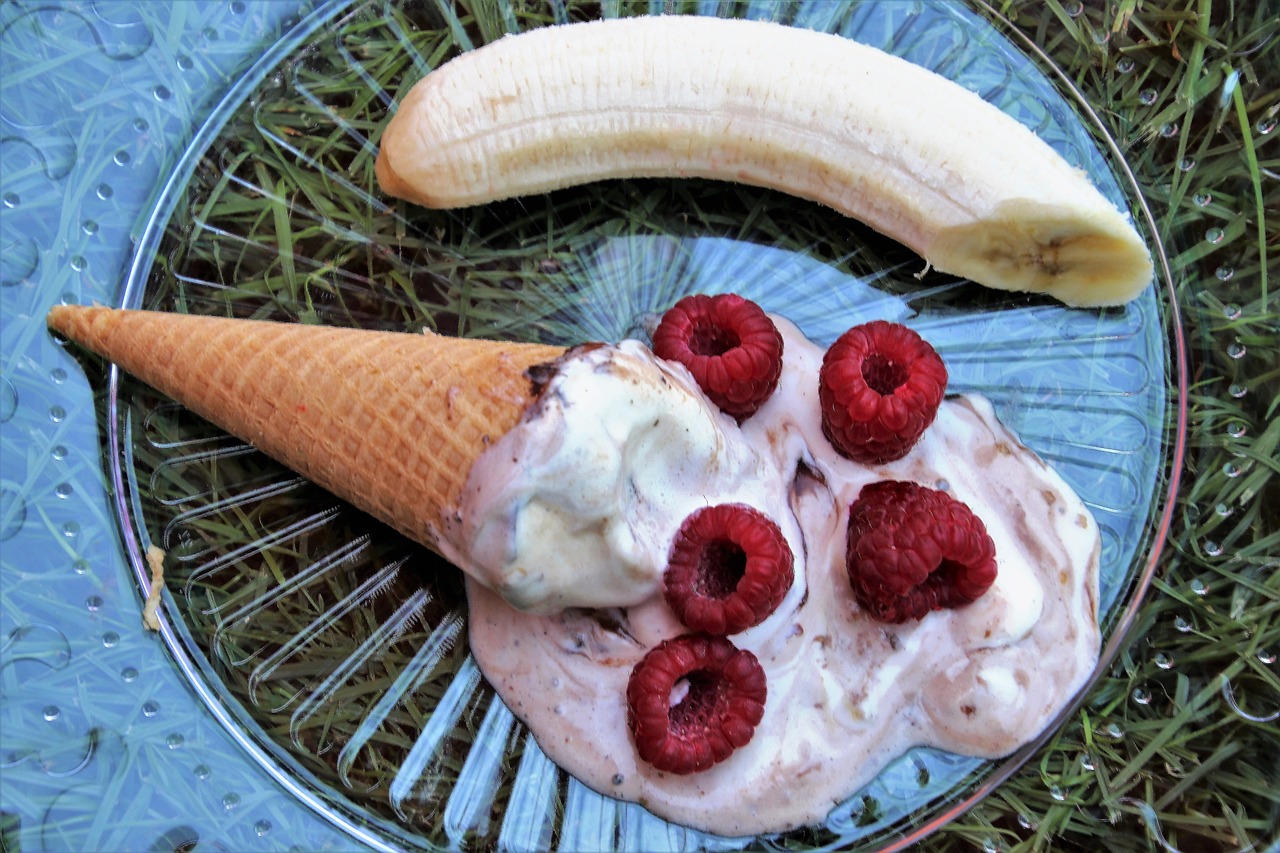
388,421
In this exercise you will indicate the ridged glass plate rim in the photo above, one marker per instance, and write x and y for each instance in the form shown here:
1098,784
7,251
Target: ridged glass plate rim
342,814
379,833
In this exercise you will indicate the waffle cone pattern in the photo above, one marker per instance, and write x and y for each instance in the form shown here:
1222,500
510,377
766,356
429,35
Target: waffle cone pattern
390,422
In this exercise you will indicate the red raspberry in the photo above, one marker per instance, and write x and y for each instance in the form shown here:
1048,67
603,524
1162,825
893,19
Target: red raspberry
912,549
729,344
693,700
729,568
880,387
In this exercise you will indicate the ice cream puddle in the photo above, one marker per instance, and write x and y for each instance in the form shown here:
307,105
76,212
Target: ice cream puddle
570,517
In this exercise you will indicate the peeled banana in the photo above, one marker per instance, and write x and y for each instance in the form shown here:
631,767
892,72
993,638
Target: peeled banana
915,156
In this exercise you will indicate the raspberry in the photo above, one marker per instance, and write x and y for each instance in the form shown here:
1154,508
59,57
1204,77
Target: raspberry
729,568
729,344
912,549
879,388
693,700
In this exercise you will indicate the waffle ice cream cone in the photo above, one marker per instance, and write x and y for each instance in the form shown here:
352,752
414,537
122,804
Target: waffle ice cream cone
390,422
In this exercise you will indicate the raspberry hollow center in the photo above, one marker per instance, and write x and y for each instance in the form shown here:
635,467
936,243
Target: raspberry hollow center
695,700
712,341
720,569
883,375
947,576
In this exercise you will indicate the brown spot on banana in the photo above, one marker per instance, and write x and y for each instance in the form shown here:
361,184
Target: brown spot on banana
910,153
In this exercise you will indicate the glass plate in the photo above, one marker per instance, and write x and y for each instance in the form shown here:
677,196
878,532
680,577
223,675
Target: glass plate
333,649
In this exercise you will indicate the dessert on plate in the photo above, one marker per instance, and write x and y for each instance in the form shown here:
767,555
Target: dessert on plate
574,486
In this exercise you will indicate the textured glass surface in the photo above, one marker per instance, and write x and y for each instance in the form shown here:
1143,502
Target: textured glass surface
339,647
102,744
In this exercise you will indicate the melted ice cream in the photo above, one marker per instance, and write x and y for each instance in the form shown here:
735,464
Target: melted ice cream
577,507
572,515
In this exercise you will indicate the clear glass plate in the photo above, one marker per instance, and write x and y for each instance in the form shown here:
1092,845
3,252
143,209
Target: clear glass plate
334,649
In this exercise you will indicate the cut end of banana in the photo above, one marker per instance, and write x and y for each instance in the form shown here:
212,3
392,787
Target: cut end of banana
1029,246
910,153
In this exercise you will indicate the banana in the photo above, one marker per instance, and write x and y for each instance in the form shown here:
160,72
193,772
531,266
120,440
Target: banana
912,154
